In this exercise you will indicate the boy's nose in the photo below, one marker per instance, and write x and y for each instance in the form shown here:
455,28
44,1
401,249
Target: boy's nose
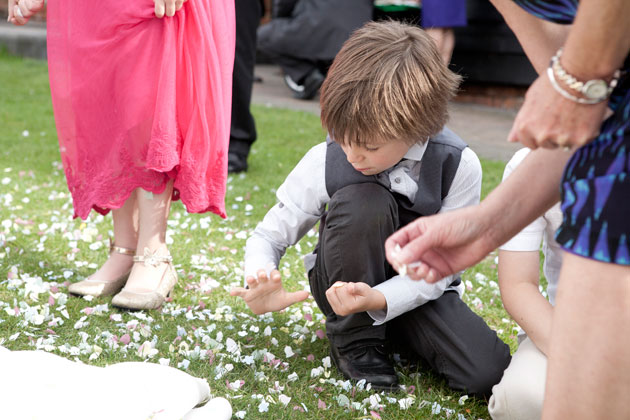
353,157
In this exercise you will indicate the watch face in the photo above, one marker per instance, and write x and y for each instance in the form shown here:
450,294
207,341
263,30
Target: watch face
595,89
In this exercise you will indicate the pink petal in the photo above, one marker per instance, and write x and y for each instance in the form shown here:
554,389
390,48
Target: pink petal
308,317
320,334
310,357
51,301
125,339
321,404
375,415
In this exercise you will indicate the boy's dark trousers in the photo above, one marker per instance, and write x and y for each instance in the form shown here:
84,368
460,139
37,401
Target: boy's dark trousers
444,333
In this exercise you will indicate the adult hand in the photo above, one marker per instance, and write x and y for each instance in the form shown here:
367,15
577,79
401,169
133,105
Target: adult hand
549,120
167,7
351,298
440,245
267,295
20,11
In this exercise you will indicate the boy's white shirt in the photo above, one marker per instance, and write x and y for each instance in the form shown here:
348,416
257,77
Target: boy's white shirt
540,230
302,200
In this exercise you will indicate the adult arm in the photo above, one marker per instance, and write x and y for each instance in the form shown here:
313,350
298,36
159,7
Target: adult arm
446,243
540,39
595,47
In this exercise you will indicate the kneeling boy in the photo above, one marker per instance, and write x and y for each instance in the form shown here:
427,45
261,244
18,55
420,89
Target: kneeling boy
387,160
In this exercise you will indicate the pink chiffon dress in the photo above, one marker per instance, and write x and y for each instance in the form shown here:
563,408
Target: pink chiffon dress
139,101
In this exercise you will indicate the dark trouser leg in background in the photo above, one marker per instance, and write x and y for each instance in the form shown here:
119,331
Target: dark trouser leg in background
243,128
455,342
294,67
302,76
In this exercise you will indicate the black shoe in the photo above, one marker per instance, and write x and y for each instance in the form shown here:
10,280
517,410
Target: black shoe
309,87
236,163
369,362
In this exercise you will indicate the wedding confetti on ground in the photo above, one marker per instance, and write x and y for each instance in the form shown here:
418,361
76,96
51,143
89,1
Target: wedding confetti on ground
260,363
269,366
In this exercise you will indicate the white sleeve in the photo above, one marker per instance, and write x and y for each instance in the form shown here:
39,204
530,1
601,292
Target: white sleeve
466,186
403,294
530,238
302,201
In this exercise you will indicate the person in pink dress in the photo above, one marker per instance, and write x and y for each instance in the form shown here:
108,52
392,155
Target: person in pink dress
141,92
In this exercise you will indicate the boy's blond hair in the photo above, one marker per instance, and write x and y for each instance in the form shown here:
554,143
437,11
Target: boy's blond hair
388,82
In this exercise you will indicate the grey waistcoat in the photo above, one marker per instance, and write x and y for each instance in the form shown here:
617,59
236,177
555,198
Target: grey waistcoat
439,165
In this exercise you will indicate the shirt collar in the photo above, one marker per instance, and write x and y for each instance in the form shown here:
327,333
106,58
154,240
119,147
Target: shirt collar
416,151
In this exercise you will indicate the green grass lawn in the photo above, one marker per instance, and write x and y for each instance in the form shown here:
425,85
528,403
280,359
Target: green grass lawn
271,366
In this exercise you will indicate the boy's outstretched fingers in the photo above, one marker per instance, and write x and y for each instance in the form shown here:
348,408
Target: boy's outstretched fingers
267,295
238,291
252,282
262,276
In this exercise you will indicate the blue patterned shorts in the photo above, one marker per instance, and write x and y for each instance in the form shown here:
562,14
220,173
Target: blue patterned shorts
596,193
596,183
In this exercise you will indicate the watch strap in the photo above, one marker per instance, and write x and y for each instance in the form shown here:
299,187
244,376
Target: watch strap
578,86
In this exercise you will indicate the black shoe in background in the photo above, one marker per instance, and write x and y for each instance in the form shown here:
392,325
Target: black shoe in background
369,362
236,163
309,86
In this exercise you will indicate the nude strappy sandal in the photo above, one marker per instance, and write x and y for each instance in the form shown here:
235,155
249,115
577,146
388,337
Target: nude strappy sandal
150,299
98,288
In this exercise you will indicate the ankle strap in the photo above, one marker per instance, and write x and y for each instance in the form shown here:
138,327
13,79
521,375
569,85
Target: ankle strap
120,249
152,258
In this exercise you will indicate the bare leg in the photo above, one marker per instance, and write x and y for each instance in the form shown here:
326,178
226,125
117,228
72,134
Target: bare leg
153,211
589,362
445,40
126,236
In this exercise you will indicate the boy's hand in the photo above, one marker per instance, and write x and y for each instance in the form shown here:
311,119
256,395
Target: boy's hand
167,7
267,295
351,298
20,11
